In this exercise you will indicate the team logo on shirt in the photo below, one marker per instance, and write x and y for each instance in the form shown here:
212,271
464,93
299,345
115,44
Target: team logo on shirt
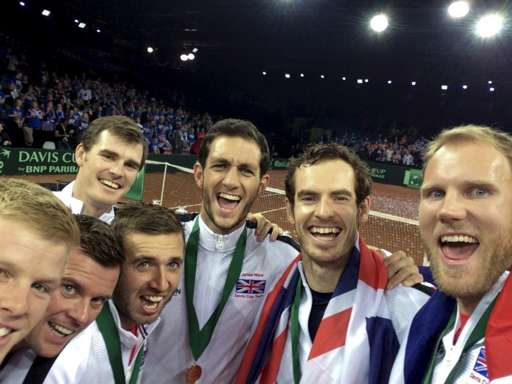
250,285
479,373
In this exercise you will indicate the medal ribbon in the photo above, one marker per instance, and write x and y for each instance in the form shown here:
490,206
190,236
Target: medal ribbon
110,333
477,334
200,338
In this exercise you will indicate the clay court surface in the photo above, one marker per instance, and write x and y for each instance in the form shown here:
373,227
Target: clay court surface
382,231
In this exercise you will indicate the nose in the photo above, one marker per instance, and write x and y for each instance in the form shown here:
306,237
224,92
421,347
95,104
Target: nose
231,178
116,168
324,208
452,208
15,303
79,312
160,282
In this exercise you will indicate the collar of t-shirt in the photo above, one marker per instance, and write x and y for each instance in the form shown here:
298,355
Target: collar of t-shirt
462,322
77,205
214,242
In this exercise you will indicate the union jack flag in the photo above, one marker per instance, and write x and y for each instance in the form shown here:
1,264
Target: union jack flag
250,286
481,363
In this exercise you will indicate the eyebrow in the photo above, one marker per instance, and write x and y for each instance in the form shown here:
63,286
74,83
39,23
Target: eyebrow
129,162
338,192
222,160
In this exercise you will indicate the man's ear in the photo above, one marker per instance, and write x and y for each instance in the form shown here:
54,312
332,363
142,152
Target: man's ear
363,211
80,154
289,212
265,179
198,174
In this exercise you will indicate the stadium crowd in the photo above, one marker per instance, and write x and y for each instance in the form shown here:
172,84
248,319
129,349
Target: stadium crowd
44,106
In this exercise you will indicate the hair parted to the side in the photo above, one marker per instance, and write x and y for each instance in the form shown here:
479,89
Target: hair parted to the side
99,242
39,209
121,127
500,140
317,153
146,219
236,128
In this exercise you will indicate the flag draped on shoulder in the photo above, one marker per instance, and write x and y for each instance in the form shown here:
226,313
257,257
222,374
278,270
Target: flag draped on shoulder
355,341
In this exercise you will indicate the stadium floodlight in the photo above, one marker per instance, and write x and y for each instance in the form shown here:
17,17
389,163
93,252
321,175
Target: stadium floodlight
322,76
344,78
264,73
390,81
413,83
150,50
195,50
491,89
191,56
22,3
45,12
76,21
464,87
183,57
458,9
489,25
489,82
287,75
366,80
444,87
301,75
359,81
379,23
81,25
98,30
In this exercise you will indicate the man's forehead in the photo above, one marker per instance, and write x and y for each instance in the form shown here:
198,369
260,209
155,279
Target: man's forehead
235,149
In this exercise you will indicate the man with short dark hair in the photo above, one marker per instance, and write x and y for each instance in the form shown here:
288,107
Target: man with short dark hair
88,282
109,156
464,332
111,350
329,319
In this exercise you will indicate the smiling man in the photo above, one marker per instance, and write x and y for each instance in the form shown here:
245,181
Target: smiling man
111,153
112,349
329,319
36,233
463,334
89,279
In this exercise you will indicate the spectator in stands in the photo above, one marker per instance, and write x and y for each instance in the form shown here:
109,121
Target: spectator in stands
33,122
63,136
88,282
5,139
37,233
111,153
464,334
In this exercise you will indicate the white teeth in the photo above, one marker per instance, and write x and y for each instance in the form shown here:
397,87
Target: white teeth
153,299
458,239
230,197
110,184
5,331
63,331
325,230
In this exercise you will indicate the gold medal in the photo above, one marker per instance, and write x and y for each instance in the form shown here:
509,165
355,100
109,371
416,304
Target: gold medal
193,374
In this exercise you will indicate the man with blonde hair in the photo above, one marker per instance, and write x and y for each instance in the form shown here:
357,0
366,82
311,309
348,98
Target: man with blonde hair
37,232
464,332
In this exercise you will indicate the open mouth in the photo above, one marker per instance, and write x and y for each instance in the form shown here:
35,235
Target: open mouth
325,233
60,330
110,184
4,331
228,201
151,303
458,247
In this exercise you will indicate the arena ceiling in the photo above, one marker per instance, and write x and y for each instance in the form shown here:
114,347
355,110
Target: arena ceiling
309,36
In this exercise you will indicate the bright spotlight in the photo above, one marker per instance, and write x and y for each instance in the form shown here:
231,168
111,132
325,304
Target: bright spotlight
379,23
413,83
322,76
301,75
22,3
98,30
195,50
150,49
458,9
344,78
390,81
489,25
191,56
489,82
264,73
359,81
464,87
76,21
491,89
183,57
444,87
45,12
366,80
287,75
81,25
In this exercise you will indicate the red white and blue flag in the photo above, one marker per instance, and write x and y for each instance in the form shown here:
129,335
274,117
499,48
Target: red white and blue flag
250,286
